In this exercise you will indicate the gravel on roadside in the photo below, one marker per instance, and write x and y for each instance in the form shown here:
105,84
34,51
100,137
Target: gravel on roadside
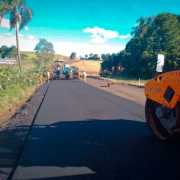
14,132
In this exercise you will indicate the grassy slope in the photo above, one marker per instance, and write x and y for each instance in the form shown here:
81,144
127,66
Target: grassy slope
91,67
29,54
32,54
28,62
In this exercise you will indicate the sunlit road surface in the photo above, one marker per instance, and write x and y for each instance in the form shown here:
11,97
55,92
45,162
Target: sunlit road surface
82,132
130,92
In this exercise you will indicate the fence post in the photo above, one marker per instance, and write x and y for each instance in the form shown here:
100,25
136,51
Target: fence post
139,82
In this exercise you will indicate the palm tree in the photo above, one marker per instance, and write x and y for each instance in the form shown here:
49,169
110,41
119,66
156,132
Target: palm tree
3,9
20,15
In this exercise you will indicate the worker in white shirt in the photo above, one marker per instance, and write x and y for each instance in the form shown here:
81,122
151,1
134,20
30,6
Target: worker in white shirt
84,76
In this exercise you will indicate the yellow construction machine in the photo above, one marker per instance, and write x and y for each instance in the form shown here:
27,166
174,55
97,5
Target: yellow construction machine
162,108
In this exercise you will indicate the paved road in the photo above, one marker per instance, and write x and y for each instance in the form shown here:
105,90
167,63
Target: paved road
130,92
84,133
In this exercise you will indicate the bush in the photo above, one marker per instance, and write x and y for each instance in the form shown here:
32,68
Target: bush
16,86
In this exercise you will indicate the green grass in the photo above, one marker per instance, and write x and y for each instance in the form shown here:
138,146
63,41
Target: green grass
28,64
29,54
32,54
12,97
125,80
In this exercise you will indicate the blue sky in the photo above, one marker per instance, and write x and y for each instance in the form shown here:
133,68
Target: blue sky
84,26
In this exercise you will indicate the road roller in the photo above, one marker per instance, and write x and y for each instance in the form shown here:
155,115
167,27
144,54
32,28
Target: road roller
162,108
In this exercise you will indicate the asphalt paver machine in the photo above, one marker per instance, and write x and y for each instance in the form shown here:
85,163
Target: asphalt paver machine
68,71
162,108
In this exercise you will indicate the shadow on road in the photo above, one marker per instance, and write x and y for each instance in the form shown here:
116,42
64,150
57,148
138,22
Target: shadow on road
101,149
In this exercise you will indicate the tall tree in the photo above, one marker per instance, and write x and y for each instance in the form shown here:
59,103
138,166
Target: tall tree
86,56
91,55
73,55
96,57
12,52
44,52
20,16
103,56
4,51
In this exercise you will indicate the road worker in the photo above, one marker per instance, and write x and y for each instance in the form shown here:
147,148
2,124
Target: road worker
84,76
40,78
78,75
47,76
70,74
51,75
58,71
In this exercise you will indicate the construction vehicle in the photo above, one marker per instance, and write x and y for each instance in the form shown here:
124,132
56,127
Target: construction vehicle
68,71
162,108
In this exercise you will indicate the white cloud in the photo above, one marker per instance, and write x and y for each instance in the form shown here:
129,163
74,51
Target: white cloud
25,44
9,34
66,48
125,36
108,34
30,37
8,41
5,23
21,35
97,39
100,35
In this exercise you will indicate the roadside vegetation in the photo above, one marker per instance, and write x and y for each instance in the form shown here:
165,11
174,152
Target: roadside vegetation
152,36
17,86
91,56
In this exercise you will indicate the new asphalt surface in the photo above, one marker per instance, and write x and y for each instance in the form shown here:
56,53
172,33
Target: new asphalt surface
84,133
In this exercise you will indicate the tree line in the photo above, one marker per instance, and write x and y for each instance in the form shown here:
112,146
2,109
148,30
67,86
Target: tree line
10,52
152,36
91,56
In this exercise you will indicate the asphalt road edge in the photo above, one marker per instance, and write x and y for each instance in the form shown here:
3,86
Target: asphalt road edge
27,135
